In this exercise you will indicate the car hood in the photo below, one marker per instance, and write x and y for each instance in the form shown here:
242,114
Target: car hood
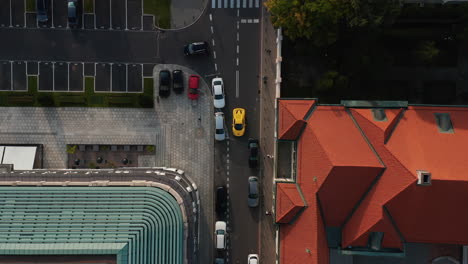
219,103
252,202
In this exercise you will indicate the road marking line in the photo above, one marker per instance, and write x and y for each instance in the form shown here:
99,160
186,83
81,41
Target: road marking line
244,3
220,4
237,49
211,17
213,5
237,36
94,5
237,61
249,20
212,40
237,84
256,4
216,67
237,12
227,156
243,21
52,15
214,54
53,76
232,4
11,14
227,174
126,77
212,31
256,20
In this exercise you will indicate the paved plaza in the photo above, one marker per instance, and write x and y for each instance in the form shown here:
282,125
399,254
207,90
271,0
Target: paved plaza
181,132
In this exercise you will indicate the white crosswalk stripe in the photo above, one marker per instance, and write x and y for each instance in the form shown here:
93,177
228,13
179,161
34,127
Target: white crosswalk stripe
235,4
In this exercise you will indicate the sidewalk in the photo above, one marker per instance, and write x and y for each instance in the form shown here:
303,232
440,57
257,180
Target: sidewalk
186,12
267,133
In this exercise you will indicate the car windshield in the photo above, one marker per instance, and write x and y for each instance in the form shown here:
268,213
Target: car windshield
219,131
217,82
190,48
220,232
193,91
218,96
238,126
253,195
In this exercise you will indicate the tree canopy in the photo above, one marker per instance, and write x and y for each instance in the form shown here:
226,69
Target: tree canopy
321,20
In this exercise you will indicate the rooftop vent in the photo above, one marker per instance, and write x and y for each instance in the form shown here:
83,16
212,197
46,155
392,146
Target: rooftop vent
375,240
424,177
379,114
444,123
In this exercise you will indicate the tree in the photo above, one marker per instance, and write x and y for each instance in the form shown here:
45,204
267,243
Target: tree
427,51
321,20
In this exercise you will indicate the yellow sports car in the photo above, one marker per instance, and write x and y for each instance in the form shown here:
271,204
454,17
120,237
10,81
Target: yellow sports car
238,122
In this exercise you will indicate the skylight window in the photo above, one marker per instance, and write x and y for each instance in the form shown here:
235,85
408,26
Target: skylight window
444,123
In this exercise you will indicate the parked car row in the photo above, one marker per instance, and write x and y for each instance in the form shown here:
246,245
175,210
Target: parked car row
42,7
177,81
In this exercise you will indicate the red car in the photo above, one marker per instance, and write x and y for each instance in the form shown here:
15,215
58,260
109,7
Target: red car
194,80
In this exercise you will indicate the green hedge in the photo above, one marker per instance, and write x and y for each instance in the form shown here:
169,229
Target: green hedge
87,98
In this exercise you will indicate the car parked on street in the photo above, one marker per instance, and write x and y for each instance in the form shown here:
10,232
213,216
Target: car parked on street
220,133
253,152
220,235
252,199
194,82
164,83
219,261
42,6
252,259
196,48
221,201
217,85
72,13
177,81
238,122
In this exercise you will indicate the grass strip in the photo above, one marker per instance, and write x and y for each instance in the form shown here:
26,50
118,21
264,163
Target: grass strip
161,10
88,6
30,5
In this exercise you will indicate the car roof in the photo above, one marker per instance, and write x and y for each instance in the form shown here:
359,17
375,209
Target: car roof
218,89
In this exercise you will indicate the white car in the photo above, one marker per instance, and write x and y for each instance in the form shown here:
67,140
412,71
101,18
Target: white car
220,233
252,259
218,92
220,133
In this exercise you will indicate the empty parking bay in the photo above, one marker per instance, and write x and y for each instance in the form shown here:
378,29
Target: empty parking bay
17,13
102,81
60,14
5,14
135,78
119,77
134,13
46,76
33,67
19,76
118,14
102,13
76,77
5,76
61,76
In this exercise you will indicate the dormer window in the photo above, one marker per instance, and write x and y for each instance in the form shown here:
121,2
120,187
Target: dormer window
379,114
424,178
444,123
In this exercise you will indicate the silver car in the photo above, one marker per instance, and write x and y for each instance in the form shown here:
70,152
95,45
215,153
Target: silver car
218,93
220,133
252,200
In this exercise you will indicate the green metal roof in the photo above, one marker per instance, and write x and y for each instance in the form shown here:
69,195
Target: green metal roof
138,224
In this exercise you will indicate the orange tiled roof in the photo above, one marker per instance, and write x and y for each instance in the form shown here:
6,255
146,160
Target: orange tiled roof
288,202
342,151
291,117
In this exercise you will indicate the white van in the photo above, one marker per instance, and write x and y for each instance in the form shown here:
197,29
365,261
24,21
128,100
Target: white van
220,235
220,133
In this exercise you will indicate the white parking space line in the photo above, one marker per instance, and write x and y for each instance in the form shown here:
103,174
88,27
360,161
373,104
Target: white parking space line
126,15
68,76
52,16
237,84
11,73
111,77
11,15
256,20
53,76
126,78
94,6
110,15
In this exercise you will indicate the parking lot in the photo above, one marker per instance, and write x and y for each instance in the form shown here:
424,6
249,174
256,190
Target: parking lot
70,76
108,14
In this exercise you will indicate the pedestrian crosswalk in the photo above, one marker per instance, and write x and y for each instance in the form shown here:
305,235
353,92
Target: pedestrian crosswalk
235,3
